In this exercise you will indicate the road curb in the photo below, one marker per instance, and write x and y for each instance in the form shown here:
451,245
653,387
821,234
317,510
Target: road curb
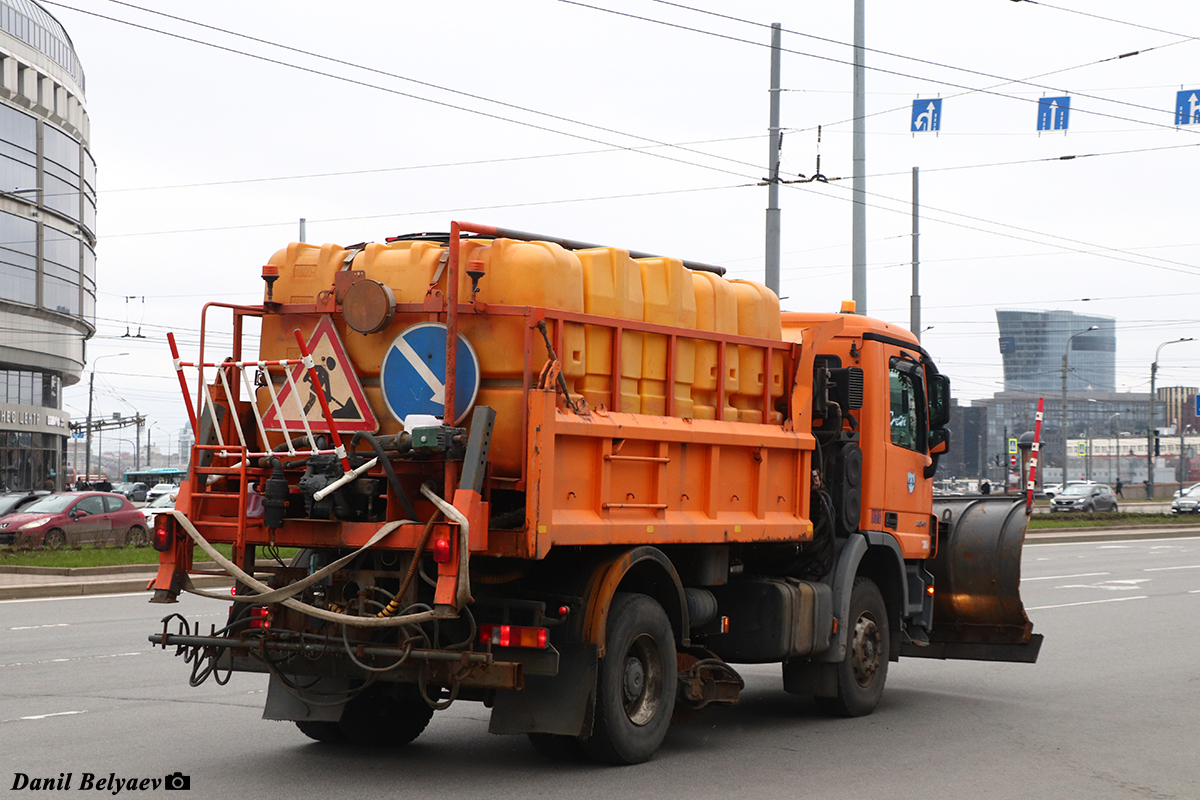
83,588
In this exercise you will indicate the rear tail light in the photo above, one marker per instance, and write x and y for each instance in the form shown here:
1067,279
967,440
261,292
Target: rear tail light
513,636
164,532
441,550
260,617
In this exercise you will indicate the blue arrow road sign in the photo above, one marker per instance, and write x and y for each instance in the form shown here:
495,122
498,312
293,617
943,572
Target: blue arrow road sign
926,115
413,375
1187,107
1053,113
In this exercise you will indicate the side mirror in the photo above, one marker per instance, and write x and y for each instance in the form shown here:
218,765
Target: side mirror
939,441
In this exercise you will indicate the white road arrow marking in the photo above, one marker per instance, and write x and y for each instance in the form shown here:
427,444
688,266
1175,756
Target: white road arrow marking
1194,108
423,370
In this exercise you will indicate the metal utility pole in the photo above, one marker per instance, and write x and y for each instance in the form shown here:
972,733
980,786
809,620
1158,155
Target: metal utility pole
1066,351
772,256
914,312
1150,437
858,248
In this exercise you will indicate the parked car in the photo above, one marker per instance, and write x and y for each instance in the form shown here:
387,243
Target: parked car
159,489
1186,490
73,518
1056,488
133,491
164,502
1084,497
1188,502
11,502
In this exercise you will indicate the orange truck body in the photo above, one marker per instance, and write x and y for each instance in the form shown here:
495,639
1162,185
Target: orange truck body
652,459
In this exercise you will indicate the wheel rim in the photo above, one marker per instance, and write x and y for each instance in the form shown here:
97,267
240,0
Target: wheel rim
866,650
55,540
642,680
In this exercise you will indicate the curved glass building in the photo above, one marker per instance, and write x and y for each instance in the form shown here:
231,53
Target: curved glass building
1032,344
47,242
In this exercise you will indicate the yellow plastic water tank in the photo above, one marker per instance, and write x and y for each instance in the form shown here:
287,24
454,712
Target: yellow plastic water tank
716,311
305,270
612,287
758,316
670,299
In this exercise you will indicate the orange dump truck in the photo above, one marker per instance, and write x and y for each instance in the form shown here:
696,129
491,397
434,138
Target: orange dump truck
574,483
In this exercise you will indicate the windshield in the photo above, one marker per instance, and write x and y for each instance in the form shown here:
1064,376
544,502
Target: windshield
162,501
1077,490
1193,491
7,504
51,504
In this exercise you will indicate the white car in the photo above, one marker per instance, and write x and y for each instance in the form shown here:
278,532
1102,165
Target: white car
1052,490
159,489
164,502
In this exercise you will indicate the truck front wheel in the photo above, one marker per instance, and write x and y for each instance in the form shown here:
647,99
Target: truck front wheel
635,688
862,674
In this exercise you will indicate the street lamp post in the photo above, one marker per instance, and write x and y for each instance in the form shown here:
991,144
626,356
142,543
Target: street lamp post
1066,351
87,469
1150,430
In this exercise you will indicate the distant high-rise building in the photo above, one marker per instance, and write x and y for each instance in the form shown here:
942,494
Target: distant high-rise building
1032,344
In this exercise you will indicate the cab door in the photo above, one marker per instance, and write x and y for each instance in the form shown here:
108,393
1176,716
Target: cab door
908,494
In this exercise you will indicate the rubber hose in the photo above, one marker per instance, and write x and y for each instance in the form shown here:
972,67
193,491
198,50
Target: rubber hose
387,467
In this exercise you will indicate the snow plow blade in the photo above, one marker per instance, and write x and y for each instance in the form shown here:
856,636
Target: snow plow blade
977,609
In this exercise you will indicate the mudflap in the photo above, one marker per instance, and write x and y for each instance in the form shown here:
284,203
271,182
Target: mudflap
977,609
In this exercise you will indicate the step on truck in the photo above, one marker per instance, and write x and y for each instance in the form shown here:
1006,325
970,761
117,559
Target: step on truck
574,483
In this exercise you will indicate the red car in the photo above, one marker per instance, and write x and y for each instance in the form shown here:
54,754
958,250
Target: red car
73,518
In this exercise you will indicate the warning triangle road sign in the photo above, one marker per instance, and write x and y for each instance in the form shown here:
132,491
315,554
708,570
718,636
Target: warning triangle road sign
347,403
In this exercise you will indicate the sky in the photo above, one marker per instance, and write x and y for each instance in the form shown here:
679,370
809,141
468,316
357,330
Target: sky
643,124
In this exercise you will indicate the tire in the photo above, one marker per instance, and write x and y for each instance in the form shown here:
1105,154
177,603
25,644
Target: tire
557,747
1114,508
636,682
377,718
861,676
136,537
1089,508
55,539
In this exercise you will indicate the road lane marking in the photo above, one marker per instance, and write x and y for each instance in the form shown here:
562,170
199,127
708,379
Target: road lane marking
1164,569
67,660
1061,577
36,627
1107,585
46,716
1090,602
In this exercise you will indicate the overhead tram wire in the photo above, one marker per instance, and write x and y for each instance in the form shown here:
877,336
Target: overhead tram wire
928,62
531,203
445,165
1105,252
411,96
417,81
1106,19
966,89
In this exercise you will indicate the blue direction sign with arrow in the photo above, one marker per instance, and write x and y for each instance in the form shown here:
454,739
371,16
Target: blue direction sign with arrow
413,375
926,116
1053,113
1187,107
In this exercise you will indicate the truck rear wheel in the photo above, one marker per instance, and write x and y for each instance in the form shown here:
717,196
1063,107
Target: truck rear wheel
862,674
635,688
377,717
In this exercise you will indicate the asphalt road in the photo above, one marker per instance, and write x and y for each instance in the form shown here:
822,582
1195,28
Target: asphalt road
1108,712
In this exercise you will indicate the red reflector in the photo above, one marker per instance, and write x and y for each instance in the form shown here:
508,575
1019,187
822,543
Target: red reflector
563,611
164,532
441,551
514,636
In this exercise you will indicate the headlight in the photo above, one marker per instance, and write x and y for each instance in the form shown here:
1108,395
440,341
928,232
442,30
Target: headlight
37,523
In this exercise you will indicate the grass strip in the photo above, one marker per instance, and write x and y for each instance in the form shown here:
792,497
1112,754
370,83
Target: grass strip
103,556
1074,519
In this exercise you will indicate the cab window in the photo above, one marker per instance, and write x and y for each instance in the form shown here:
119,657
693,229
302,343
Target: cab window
906,398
